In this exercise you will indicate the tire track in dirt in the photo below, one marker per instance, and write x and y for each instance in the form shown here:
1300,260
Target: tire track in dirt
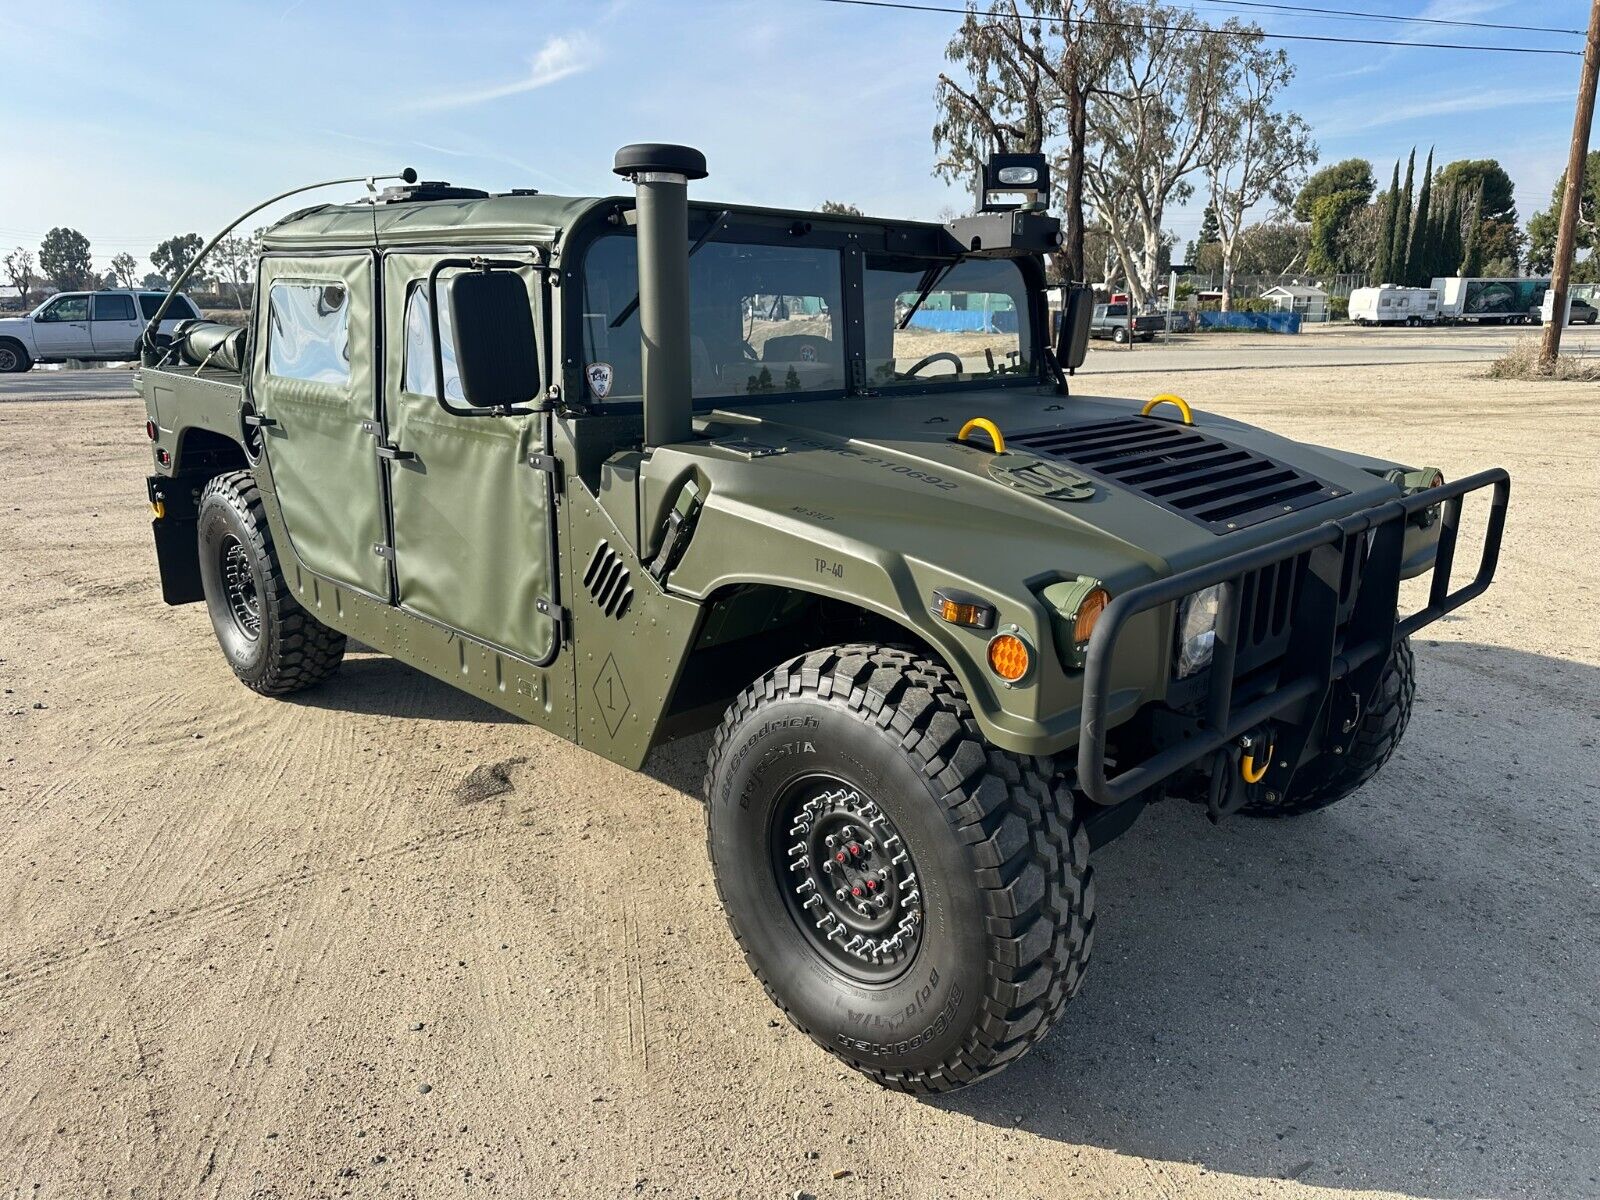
19,976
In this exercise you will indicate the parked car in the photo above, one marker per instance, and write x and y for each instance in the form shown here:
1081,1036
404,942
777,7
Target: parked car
1111,321
97,326
1579,311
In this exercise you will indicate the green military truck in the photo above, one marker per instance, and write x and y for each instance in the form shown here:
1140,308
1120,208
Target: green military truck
630,467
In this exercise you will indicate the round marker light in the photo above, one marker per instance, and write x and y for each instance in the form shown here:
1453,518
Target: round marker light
1009,657
1089,611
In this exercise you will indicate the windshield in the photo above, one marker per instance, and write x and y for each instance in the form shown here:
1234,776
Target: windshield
972,322
765,320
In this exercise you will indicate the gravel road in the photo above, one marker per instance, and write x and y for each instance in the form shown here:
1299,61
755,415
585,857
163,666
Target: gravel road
383,940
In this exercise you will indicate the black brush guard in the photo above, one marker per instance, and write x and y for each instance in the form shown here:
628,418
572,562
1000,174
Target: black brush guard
1320,649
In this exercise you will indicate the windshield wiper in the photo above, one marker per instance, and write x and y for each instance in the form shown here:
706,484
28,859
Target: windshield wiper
705,237
932,277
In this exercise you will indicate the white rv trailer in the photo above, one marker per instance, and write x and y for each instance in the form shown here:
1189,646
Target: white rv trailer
1390,305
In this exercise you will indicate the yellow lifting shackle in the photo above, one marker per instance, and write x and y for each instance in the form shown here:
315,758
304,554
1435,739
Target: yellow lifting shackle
1168,398
989,427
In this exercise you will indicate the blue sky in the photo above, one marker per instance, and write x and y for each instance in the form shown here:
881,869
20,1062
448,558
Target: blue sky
132,122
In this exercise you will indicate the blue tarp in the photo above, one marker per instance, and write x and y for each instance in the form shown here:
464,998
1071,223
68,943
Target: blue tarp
1273,322
945,320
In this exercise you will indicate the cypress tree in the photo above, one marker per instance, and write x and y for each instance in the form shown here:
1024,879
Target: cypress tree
1402,225
1452,250
1417,246
1383,260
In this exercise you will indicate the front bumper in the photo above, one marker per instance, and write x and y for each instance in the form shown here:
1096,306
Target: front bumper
1343,625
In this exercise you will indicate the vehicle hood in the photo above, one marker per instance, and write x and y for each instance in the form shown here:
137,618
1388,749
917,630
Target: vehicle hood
888,471
14,325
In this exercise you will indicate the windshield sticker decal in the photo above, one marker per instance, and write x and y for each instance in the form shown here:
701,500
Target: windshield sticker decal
599,375
808,353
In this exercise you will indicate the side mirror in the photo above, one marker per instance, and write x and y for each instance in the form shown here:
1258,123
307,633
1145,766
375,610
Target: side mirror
497,356
1072,335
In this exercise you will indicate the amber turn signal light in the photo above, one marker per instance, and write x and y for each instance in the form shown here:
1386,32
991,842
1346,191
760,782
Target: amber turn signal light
1009,657
960,608
1089,610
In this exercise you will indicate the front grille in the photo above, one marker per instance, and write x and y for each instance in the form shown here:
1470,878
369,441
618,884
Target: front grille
1211,482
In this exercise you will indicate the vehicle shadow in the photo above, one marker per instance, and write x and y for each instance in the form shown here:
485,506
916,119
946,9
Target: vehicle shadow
1398,993
374,684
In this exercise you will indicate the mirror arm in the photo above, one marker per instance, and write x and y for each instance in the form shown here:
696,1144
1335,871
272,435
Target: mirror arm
476,263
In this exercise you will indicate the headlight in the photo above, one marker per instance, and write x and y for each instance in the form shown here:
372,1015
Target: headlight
1197,630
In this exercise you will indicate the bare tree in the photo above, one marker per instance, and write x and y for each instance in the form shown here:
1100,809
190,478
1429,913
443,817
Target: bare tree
126,269
19,269
1026,90
1150,122
236,261
1254,154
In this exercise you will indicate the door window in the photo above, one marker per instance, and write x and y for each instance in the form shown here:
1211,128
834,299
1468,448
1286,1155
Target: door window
68,308
418,375
308,335
113,308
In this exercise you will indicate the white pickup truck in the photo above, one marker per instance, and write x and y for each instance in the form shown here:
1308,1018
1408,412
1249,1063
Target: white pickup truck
86,325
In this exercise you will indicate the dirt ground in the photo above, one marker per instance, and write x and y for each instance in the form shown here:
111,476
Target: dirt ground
382,940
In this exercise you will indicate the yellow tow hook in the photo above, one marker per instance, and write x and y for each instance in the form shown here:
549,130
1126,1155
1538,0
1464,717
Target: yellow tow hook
1248,771
1178,402
997,438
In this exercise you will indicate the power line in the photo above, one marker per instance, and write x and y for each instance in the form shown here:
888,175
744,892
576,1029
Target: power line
903,5
1376,16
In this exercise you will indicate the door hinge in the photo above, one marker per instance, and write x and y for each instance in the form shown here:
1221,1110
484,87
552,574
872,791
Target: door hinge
552,610
394,453
383,551
370,427
549,464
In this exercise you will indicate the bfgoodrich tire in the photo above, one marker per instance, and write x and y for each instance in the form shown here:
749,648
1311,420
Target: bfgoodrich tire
273,645
1329,778
917,902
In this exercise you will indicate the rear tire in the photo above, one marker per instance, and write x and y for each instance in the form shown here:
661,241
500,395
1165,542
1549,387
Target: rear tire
273,645
860,767
14,358
1329,778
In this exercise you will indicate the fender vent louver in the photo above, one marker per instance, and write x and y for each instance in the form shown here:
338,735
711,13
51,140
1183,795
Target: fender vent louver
1213,483
607,581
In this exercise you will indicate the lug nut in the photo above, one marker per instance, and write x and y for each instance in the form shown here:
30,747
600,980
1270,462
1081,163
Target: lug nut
840,894
827,867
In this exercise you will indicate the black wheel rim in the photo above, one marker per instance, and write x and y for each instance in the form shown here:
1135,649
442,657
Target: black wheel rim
847,879
239,586
8,359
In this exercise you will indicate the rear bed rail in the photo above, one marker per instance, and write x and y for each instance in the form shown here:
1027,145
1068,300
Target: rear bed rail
1314,657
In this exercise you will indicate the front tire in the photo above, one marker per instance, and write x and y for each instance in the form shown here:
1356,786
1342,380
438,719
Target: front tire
1120,337
917,902
1329,778
14,358
273,645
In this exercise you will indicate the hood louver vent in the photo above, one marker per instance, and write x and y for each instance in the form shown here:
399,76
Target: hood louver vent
1211,482
607,581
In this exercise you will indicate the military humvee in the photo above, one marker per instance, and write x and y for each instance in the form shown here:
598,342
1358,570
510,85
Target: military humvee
629,467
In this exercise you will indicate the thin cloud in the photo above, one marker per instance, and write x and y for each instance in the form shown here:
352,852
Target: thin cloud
1483,101
557,59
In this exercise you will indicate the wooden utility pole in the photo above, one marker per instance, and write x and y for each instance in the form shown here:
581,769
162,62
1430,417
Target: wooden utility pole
1574,192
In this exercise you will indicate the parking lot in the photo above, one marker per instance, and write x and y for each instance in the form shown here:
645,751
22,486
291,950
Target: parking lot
381,939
